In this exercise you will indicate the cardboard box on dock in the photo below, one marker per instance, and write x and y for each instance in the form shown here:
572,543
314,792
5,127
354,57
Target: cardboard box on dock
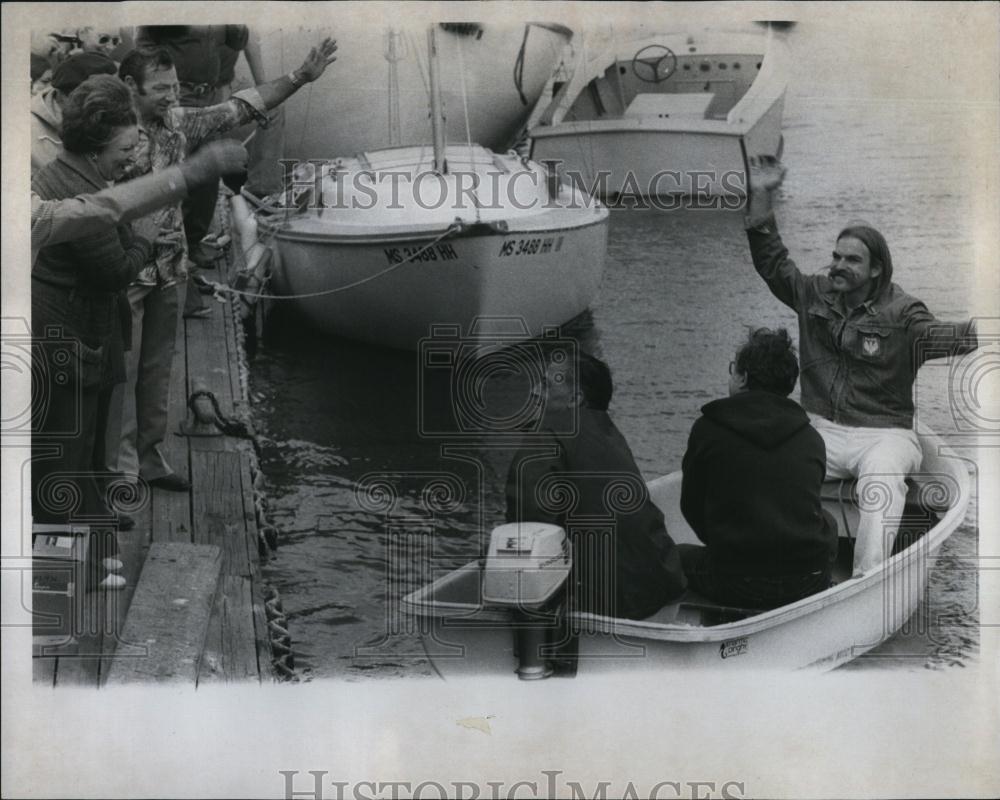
59,574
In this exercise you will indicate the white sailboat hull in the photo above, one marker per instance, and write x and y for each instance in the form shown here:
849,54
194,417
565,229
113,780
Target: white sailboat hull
395,248
457,281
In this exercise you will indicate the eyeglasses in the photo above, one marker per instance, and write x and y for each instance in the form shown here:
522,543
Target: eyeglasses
106,38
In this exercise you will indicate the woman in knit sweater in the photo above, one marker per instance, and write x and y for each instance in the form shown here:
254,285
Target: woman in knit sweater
76,318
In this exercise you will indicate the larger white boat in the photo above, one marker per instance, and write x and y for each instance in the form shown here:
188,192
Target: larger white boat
668,114
391,244
467,632
377,94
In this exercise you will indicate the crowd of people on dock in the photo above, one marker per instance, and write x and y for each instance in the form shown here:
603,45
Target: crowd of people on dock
126,158
127,154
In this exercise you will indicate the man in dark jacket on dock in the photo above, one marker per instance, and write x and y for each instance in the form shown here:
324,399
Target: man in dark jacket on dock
753,471
579,473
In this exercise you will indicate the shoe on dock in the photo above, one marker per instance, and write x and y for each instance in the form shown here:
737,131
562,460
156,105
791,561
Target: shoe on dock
112,583
172,483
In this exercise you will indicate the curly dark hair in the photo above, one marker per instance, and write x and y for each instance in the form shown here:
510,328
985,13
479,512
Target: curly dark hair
94,113
768,361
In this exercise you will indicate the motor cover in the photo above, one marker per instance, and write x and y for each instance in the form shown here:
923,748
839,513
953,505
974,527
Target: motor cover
528,562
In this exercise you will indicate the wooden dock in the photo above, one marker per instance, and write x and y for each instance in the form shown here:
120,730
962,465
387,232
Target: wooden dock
194,607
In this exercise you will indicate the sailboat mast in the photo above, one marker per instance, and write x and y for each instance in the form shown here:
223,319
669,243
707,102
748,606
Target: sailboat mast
437,112
393,54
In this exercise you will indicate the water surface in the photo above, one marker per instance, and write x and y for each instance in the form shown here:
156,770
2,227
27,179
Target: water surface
677,297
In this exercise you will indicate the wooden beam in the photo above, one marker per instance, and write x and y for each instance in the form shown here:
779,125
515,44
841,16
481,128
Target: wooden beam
171,514
43,671
230,650
267,672
218,508
169,614
82,668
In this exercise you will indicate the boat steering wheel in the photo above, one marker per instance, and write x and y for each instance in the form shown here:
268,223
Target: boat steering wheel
658,63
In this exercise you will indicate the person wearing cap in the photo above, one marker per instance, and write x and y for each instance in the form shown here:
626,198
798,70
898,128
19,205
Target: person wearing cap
47,105
48,50
99,40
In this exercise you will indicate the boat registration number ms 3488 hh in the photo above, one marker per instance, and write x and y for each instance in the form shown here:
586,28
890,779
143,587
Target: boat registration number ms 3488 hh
531,247
437,252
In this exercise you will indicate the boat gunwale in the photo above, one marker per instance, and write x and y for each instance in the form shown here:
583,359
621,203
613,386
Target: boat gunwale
411,234
650,124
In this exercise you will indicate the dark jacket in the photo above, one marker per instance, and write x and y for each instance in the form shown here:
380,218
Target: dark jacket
588,483
107,260
85,278
858,368
753,471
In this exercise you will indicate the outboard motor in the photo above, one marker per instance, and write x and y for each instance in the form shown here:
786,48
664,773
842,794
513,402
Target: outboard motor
526,569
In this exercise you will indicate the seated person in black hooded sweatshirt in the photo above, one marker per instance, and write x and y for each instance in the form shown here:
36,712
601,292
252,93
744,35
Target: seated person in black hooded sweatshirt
751,492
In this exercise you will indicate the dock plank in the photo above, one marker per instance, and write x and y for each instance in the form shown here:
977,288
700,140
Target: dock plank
219,508
263,645
133,547
169,614
171,514
211,362
230,650
175,448
249,514
83,667
43,671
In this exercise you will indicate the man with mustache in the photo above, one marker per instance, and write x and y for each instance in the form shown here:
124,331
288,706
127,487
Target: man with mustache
861,341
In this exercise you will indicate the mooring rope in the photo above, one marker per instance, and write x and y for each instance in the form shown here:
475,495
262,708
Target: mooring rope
221,287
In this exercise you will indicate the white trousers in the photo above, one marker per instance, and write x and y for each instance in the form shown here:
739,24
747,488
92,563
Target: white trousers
881,459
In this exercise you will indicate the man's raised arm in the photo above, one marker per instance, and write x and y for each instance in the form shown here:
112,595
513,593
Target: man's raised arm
248,105
770,256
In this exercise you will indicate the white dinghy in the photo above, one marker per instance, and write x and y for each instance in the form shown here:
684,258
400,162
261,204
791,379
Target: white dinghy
473,623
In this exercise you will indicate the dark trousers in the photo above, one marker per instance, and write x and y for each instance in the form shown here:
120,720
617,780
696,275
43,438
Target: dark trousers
67,376
199,211
746,591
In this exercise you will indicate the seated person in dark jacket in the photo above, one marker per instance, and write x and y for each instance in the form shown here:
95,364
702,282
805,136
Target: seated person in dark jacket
751,491
578,472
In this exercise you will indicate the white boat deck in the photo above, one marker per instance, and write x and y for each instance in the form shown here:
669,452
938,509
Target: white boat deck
395,193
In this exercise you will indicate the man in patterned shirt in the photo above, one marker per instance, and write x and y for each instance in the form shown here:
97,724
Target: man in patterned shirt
168,133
